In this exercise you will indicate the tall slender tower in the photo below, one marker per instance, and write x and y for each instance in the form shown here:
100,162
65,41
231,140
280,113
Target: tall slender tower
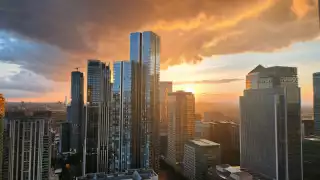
2,114
145,56
76,111
181,117
97,116
316,102
121,118
270,126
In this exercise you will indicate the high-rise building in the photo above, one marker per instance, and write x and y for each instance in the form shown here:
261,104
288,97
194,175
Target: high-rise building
145,58
77,95
165,88
30,152
65,133
2,114
181,111
316,102
97,117
199,155
121,118
270,127
134,174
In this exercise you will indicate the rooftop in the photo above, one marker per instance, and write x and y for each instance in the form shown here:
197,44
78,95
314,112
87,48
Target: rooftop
204,142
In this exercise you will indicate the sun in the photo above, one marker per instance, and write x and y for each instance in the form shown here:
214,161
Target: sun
189,89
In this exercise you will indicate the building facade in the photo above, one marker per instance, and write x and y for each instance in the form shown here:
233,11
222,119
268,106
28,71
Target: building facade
121,118
316,102
145,58
199,155
270,126
77,95
2,123
29,149
97,117
134,174
65,133
181,110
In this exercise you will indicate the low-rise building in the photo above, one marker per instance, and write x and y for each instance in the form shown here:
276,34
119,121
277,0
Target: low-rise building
132,174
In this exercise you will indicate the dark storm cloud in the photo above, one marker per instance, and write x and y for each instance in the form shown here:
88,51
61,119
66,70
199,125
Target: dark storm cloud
219,81
66,33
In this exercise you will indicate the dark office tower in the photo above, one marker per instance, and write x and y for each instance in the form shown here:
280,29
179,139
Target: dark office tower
121,118
145,56
65,133
76,110
30,152
97,116
316,102
2,114
270,126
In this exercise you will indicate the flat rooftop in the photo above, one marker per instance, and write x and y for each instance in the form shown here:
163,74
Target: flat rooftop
204,142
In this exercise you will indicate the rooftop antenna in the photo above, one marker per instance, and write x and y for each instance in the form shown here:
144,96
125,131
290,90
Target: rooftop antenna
77,68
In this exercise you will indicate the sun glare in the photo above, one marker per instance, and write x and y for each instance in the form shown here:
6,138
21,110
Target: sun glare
189,89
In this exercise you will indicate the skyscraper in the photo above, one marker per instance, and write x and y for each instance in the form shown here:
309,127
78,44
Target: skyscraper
316,102
97,116
270,126
181,116
76,110
2,113
121,118
145,58
30,152
165,88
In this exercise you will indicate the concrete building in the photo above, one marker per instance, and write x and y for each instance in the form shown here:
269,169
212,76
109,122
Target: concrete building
316,102
97,117
131,174
121,118
270,126
199,154
145,59
29,149
311,158
181,110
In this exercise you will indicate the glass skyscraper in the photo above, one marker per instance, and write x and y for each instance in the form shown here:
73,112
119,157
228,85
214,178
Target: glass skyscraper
2,113
76,110
270,126
97,117
121,118
316,102
145,58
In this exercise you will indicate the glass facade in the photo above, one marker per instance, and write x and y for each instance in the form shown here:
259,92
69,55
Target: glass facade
270,126
316,102
2,114
121,117
145,56
76,110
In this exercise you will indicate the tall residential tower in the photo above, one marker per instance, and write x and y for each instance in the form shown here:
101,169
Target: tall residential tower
270,126
145,58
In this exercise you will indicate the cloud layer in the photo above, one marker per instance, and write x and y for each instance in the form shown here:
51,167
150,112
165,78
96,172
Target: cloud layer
54,36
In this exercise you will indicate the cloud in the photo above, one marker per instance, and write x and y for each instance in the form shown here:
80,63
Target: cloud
220,81
56,35
24,81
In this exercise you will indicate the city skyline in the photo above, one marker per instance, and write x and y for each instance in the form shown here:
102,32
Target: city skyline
212,48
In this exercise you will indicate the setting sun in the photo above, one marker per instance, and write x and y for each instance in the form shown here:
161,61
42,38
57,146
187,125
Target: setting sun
189,89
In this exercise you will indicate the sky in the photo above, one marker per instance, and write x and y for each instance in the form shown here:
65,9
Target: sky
207,46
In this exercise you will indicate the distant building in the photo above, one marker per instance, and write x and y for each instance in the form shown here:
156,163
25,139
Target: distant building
308,128
2,123
181,110
204,130
165,88
77,100
271,123
134,174
199,154
311,158
30,152
316,102
213,116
